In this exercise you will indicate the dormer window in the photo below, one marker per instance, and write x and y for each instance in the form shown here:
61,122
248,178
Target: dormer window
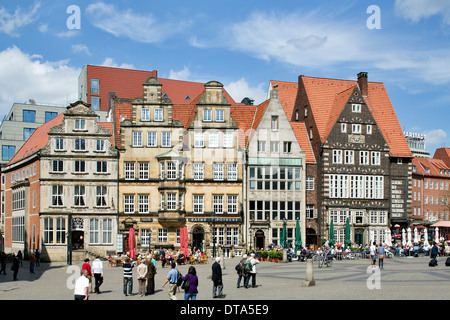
207,115
80,124
220,116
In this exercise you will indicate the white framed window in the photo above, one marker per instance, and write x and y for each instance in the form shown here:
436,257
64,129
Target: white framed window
337,156
59,144
100,145
151,139
107,230
143,171
261,146
232,171
145,114
207,115
171,201
227,139
129,170
376,158
274,146
343,127
57,165
80,144
218,171
198,140
232,204
218,204
199,171
102,166
143,203
137,139
356,108
80,124
198,203
356,128
166,139
220,115
213,139
287,146
128,202
171,170
162,236
309,183
159,114
79,166
369,129
79,196
57,195
364,158
101,196
274,123
349,157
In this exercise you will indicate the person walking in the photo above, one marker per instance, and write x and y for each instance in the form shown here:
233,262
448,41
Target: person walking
128,276
373,256
252,274
15,266
172,278
81,291
434,252
381,255
86,265
142,277
37,254
151,271
192,291
3,263
217,279
97,271
32,262
241,270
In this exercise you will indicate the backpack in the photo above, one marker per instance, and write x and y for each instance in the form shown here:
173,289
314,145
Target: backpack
179,278
447,262
238,267
248,267
185,285
433,262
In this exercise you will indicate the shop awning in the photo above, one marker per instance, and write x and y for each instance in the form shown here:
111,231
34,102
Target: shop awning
441,224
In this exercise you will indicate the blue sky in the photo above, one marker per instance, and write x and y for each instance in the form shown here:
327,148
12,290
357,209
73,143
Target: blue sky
242,44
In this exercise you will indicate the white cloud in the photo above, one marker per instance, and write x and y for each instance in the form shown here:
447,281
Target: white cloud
241,89
26,76
416,10
183,74
11,22
77,48
436,138
109,62
141,27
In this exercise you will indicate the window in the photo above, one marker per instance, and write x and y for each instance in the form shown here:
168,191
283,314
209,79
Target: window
18,199
100,145
145,237
94,86
369,129
55,230
102,166
50,115
218,171
232,171
171,201
376,158
107,230
101,196
337,156
94,230
198,203
57,195
213,139
128,203
95,103
166,139
162,235
199,171
274,123
218,204
159,114
129,170
356,108
79,194
171,170
261,146
80,124
364,157
309,183
228,140
80,166
232,204
349,157
274,146
198,140
8,152
220,116
343,127
356,128
59,144
207,115
27,132
143,171
29,116
80,144
287,145
151,139
57,165
137,139
143,203
145,114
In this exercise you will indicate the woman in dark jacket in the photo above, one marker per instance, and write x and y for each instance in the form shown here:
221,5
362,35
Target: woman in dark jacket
191,293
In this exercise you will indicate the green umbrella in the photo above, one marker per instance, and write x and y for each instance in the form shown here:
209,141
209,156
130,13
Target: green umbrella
298,236
283,241
347,241
331,240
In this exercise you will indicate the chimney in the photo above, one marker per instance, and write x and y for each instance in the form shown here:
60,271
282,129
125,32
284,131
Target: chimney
362,83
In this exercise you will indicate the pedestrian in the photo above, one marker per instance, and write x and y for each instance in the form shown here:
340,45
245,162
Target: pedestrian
37,254
241,270
151,271
3,262
128,276
32,262
20,257
381,255
252,274
373,252
86,265
142,277
81,291
191,292
15,266
217,279
97,271
434,252
172,278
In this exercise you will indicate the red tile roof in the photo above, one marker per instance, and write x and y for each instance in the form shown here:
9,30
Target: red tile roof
301,134
430,167
443,154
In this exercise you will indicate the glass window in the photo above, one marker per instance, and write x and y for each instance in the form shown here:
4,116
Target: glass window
8,152
220,116
207,115
80,124
95,103
27,132
166,139
95,86
159,114
29,116
151,139
145,114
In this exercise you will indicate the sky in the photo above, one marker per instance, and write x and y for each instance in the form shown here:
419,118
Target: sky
242,44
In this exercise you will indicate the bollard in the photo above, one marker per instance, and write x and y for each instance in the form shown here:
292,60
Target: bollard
309,274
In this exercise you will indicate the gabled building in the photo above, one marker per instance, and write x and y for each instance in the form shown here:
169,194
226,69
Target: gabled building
364,162
60,189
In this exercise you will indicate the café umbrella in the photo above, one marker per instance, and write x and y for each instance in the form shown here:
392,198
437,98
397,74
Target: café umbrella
331,239
132,243
283,241
347,242
298,236
184,241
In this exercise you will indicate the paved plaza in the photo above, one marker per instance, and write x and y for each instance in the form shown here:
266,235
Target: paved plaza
401,279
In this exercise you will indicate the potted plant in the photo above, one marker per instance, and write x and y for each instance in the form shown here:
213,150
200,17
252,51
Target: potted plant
264,255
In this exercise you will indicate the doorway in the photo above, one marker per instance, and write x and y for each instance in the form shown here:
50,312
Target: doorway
77,240
311,238
259,240
359,237
198,237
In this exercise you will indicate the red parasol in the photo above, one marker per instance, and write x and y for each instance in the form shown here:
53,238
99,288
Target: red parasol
184,241
132,243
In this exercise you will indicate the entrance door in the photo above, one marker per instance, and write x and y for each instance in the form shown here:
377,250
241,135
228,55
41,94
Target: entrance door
259,239
198,235
311,238
359,237
77,240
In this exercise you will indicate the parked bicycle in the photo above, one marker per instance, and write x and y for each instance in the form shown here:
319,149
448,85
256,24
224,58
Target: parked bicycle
325,259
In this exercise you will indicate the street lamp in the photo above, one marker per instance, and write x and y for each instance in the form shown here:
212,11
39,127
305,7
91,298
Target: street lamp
149,240
214,234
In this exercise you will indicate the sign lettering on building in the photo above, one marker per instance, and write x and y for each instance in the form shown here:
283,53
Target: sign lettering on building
398,199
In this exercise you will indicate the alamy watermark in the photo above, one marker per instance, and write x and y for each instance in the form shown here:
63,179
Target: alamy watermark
374,21
74,20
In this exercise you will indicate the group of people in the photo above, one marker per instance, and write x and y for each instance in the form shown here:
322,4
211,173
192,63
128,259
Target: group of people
17,262
246,270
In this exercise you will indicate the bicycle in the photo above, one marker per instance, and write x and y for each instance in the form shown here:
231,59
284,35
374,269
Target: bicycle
325,259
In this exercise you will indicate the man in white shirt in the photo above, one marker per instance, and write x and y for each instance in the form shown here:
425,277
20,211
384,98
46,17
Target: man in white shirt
373,257
97,271
81,291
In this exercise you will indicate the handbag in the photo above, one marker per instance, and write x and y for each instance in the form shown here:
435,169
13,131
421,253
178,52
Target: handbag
185,284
